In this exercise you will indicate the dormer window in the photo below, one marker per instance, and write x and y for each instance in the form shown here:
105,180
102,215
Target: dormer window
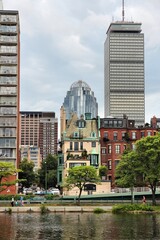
81,123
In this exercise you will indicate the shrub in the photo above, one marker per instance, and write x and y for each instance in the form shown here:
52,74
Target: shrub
44,209
122,208
99,210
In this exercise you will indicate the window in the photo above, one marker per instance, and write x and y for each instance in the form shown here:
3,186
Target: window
103,150
71,165
123,135
93,134
60,176
115,135
76,134
76,146
81,124
81,145
109,148
93,144
71,146
149,134
133,135
109,164
142,134
105,134
60,160
117,148
94,159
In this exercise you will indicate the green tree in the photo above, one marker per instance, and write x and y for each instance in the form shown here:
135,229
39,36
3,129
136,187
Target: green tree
142,166
6,170
48,172
127,171
27,173
80,175
103,171
148,152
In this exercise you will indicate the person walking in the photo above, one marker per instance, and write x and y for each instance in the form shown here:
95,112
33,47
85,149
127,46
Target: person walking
144,200
12,202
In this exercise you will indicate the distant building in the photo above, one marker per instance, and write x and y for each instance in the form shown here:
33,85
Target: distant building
80,146
31,154
40,129
80,100
9,88
116,135
124,72
155,122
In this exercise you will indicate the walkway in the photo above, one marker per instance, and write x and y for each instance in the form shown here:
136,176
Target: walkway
54,209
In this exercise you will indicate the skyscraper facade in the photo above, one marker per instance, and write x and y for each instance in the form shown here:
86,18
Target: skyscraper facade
124,72
80,100
9,86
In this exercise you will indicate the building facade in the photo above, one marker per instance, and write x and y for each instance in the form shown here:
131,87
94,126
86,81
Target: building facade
80,146
39,129
117,134
124,91
9,87
80,100
31,153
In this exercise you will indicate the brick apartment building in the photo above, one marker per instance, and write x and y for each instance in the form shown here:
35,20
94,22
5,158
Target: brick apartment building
116,135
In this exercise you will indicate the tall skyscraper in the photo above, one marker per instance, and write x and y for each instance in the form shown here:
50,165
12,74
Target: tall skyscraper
9,86
124,71
80,100
39,129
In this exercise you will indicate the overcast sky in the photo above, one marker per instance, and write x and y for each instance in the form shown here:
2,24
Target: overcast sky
62,41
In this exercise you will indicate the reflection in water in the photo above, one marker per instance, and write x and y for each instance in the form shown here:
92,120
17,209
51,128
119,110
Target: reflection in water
76,226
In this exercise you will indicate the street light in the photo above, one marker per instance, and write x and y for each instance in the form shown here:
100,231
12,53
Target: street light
45,176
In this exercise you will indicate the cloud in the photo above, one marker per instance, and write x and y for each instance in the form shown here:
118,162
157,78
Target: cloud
62,42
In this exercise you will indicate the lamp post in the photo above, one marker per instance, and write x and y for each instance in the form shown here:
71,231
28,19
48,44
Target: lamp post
45,176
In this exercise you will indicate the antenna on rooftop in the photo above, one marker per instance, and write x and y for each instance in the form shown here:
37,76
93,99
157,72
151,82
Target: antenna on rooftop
1,5
122,10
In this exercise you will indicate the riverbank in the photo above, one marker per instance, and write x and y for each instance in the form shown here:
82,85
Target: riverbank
55,209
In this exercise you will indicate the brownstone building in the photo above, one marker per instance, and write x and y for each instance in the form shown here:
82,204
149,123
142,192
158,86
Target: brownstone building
116,135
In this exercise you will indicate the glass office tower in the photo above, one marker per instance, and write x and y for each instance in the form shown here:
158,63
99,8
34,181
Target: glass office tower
80,99
124,72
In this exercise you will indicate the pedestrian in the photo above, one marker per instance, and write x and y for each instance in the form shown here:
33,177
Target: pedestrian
12,202
144,200
21,200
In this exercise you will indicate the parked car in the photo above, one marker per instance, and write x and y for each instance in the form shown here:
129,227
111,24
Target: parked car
55,191
27,191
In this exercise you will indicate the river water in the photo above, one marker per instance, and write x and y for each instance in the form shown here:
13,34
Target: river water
79,226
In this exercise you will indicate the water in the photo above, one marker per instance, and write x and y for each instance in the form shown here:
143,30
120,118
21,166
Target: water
76,226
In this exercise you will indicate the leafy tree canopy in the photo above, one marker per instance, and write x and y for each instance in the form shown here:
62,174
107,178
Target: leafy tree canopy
6,170
27,173
103,171
80,175
141,165
48,171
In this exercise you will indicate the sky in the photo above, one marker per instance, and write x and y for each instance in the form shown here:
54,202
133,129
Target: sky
62,41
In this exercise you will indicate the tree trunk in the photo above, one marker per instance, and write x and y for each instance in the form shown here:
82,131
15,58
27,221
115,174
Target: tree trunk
132,195
79,196
153,195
